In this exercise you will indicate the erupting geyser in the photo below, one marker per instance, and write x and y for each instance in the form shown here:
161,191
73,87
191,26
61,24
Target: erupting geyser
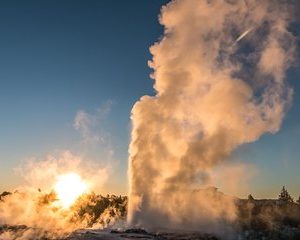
219,73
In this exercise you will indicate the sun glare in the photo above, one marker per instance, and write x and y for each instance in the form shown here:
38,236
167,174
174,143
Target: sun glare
68,188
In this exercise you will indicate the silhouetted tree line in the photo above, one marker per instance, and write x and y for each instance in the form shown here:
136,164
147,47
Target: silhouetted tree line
284,196
267,214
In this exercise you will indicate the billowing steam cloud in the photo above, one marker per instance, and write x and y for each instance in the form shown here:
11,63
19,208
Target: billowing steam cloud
219,74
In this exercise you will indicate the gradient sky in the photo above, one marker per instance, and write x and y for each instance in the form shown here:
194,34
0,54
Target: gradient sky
60,58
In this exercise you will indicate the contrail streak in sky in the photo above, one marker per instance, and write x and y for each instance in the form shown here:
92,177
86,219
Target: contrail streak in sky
244,34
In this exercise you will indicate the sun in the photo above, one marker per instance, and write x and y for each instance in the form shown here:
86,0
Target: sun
68,188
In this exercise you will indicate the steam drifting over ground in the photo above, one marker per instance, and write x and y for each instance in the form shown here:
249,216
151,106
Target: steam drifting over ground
219,73
43,203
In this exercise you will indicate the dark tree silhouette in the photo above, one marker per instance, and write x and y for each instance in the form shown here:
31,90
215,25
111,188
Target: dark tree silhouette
250,198
285,196
2,195
298,201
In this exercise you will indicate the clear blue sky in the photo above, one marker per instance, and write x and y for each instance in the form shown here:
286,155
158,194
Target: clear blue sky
61,56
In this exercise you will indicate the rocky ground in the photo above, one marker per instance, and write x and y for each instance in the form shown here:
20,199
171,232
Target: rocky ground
22,233
138,234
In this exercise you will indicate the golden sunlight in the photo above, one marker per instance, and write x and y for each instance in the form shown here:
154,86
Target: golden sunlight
68,188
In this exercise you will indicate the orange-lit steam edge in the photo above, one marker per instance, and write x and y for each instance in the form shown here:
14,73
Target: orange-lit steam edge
68,188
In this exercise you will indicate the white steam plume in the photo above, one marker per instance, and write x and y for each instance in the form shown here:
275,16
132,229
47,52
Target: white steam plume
212,96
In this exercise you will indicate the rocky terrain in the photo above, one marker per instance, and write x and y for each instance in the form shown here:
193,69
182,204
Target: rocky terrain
282,233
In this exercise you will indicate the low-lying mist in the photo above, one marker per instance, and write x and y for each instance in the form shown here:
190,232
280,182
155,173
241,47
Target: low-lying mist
58,197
